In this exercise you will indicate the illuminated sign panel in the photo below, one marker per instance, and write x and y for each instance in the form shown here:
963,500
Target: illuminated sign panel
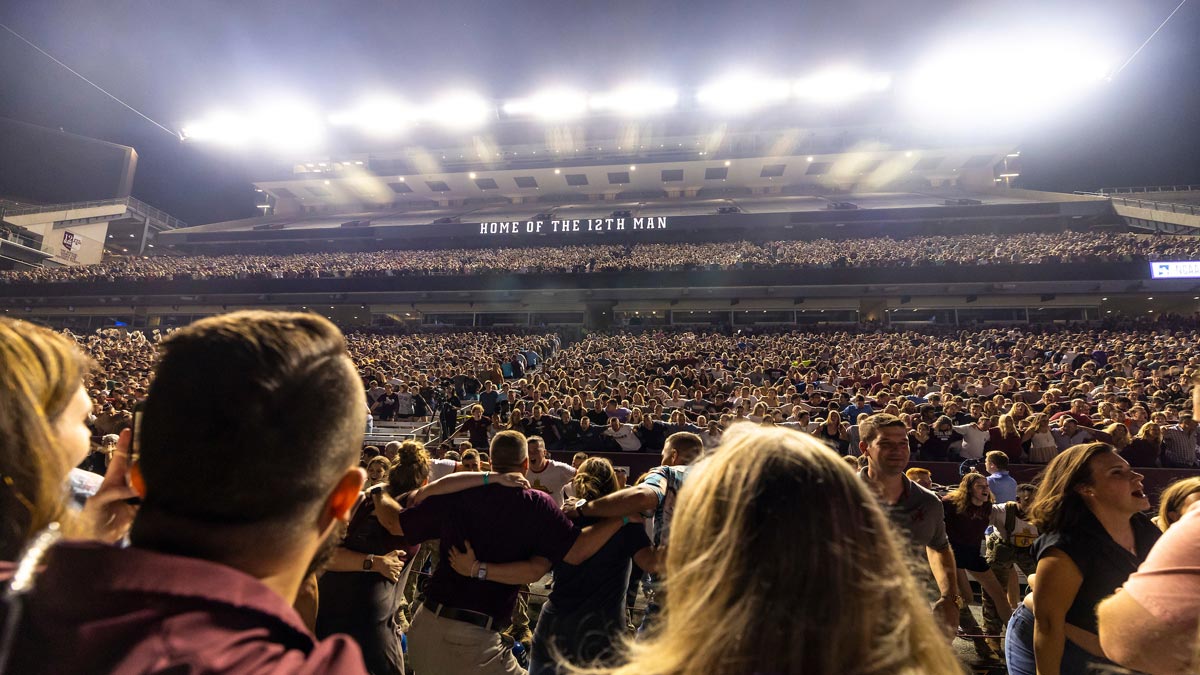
1189,269
596,225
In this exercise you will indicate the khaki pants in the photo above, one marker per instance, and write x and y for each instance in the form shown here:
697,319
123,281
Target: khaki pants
519,630
441,646
1001,564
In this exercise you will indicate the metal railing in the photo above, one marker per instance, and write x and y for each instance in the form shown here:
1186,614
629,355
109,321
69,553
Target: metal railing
131,203
1149,188
1172,207
27,242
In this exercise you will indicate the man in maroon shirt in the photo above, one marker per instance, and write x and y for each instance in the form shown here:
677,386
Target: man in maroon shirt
248,464
457,629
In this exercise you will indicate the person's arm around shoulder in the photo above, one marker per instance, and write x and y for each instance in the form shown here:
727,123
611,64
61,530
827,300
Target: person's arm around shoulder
465,480
627,502
467,564
388,510
1058,581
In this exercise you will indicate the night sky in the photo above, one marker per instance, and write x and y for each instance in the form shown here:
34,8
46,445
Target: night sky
174,59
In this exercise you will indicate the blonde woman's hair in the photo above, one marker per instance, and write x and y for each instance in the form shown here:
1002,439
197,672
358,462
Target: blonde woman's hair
1171,501
1008,426
773,514
40,372
1150,431
595,478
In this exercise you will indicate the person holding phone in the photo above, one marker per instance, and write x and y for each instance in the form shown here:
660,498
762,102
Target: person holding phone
44,435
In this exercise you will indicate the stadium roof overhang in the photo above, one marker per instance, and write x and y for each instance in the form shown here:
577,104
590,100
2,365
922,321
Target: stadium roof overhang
345,184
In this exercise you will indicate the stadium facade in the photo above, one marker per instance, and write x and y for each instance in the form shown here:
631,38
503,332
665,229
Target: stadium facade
635,185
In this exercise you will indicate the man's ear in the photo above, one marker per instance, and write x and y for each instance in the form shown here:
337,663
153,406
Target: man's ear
345,495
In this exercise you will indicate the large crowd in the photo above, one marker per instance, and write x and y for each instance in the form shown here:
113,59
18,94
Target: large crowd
875,252
240,466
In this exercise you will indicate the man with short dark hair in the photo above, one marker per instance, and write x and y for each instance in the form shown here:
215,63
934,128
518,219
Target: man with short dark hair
243,493
916,511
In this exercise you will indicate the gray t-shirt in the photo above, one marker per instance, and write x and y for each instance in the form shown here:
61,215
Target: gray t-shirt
919,514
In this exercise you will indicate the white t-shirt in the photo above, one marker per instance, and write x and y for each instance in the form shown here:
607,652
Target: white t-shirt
974,440
625,438
1023,533
440,468
551,479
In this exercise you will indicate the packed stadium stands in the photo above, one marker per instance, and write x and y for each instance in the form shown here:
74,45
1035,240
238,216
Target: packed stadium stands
958,250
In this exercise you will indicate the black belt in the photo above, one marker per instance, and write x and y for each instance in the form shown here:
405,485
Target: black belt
480,619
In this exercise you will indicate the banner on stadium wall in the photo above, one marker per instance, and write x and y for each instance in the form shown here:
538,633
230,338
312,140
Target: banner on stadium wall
76,249
1189,269
580,225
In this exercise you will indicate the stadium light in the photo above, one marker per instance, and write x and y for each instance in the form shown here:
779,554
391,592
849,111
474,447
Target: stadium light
549,105
220,127
459,110
635,100
840,84
281,126
379,116
1002,81
742,93
287,126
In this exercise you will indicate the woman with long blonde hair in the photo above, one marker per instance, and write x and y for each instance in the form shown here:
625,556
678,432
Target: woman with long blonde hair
1145,449
837,554
44,408
1042,447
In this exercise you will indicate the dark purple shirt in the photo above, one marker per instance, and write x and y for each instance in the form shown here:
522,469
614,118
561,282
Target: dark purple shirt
100,609
503,525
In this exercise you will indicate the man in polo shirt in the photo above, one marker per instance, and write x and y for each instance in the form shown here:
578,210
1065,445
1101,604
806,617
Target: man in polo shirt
917,511
457,629
242,496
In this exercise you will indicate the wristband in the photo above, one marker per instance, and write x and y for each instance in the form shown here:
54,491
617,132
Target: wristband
625,520
485,478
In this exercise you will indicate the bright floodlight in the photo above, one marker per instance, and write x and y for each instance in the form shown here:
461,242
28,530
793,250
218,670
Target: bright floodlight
378,116
459,111
742,93
281,127
550,105
838,85
635,100
288,126
222,128
1003,81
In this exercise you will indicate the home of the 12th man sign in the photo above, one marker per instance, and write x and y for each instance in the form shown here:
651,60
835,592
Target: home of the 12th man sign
515,227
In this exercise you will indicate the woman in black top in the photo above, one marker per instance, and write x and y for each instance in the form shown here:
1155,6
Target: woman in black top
1094,535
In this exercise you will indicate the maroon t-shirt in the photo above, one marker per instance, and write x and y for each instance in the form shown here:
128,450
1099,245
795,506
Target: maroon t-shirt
503,525
100,609
966,529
